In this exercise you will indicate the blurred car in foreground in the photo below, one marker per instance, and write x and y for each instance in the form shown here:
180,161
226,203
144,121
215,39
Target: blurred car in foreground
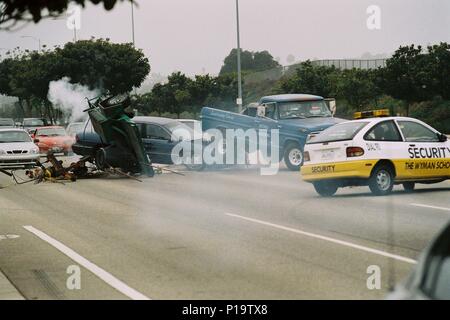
17,149
430,278
53,139
74,127
7,123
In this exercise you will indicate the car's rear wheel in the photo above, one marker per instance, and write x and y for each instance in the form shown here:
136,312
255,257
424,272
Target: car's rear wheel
100,159
325,188
408,186
381,180
293,156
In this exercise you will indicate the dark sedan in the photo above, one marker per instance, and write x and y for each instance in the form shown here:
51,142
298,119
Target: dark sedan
159,137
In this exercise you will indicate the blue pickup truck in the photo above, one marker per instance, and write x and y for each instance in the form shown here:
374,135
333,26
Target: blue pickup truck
295,115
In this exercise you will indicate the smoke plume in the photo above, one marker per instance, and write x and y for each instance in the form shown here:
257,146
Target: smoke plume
70,98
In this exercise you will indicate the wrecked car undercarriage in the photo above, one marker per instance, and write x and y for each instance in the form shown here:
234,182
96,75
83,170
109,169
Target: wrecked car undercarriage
121,146
120,152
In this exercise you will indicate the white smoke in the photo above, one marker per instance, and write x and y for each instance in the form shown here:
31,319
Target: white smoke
70,98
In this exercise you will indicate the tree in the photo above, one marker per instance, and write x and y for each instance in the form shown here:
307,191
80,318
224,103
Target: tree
6,69
405,77
144,103
110,68
17,74
319,80
183,99
263,60
100,64
435,112
202,89
357,87
438,65
250,61
13,11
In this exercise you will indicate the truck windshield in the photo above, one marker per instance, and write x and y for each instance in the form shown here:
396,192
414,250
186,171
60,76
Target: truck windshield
303,109
339,132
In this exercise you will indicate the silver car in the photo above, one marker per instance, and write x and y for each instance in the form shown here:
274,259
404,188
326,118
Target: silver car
17,150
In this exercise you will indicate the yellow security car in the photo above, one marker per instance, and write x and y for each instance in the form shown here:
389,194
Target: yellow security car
378,152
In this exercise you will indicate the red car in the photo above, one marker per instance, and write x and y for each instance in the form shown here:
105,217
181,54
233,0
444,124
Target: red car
53,139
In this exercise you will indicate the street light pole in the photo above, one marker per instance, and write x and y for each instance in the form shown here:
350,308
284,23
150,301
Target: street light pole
239,99
74,31
132,21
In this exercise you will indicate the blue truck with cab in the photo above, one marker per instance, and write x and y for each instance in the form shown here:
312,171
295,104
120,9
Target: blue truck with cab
296,116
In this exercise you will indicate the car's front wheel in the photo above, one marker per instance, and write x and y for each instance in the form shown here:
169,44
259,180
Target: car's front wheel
293,156
325,188
381,180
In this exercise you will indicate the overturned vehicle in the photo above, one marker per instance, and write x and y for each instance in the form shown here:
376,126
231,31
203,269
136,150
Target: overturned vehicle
116,141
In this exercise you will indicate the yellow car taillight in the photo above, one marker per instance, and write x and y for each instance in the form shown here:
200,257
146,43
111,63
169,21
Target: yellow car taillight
306,156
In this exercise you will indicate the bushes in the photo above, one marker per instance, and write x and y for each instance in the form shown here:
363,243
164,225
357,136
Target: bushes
187,115
435,112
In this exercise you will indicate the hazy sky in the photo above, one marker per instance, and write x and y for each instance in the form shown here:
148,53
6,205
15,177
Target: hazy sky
194,36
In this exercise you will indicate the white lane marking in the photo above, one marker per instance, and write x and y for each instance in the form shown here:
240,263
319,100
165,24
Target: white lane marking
430,207
99,272
317,236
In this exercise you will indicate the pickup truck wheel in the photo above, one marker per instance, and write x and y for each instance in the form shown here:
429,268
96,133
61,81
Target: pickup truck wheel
325,189
293,156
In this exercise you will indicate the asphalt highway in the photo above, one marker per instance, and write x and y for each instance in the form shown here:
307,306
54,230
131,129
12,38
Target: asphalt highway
217,234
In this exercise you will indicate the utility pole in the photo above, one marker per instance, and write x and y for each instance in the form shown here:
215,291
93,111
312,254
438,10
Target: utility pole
132,21
239,99
74,32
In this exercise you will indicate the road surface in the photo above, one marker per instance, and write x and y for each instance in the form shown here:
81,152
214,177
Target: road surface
217,234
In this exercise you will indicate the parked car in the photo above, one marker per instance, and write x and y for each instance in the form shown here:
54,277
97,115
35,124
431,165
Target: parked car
31,124
159,136
296,116
74,127
53,139
17,149
7,123
430,278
